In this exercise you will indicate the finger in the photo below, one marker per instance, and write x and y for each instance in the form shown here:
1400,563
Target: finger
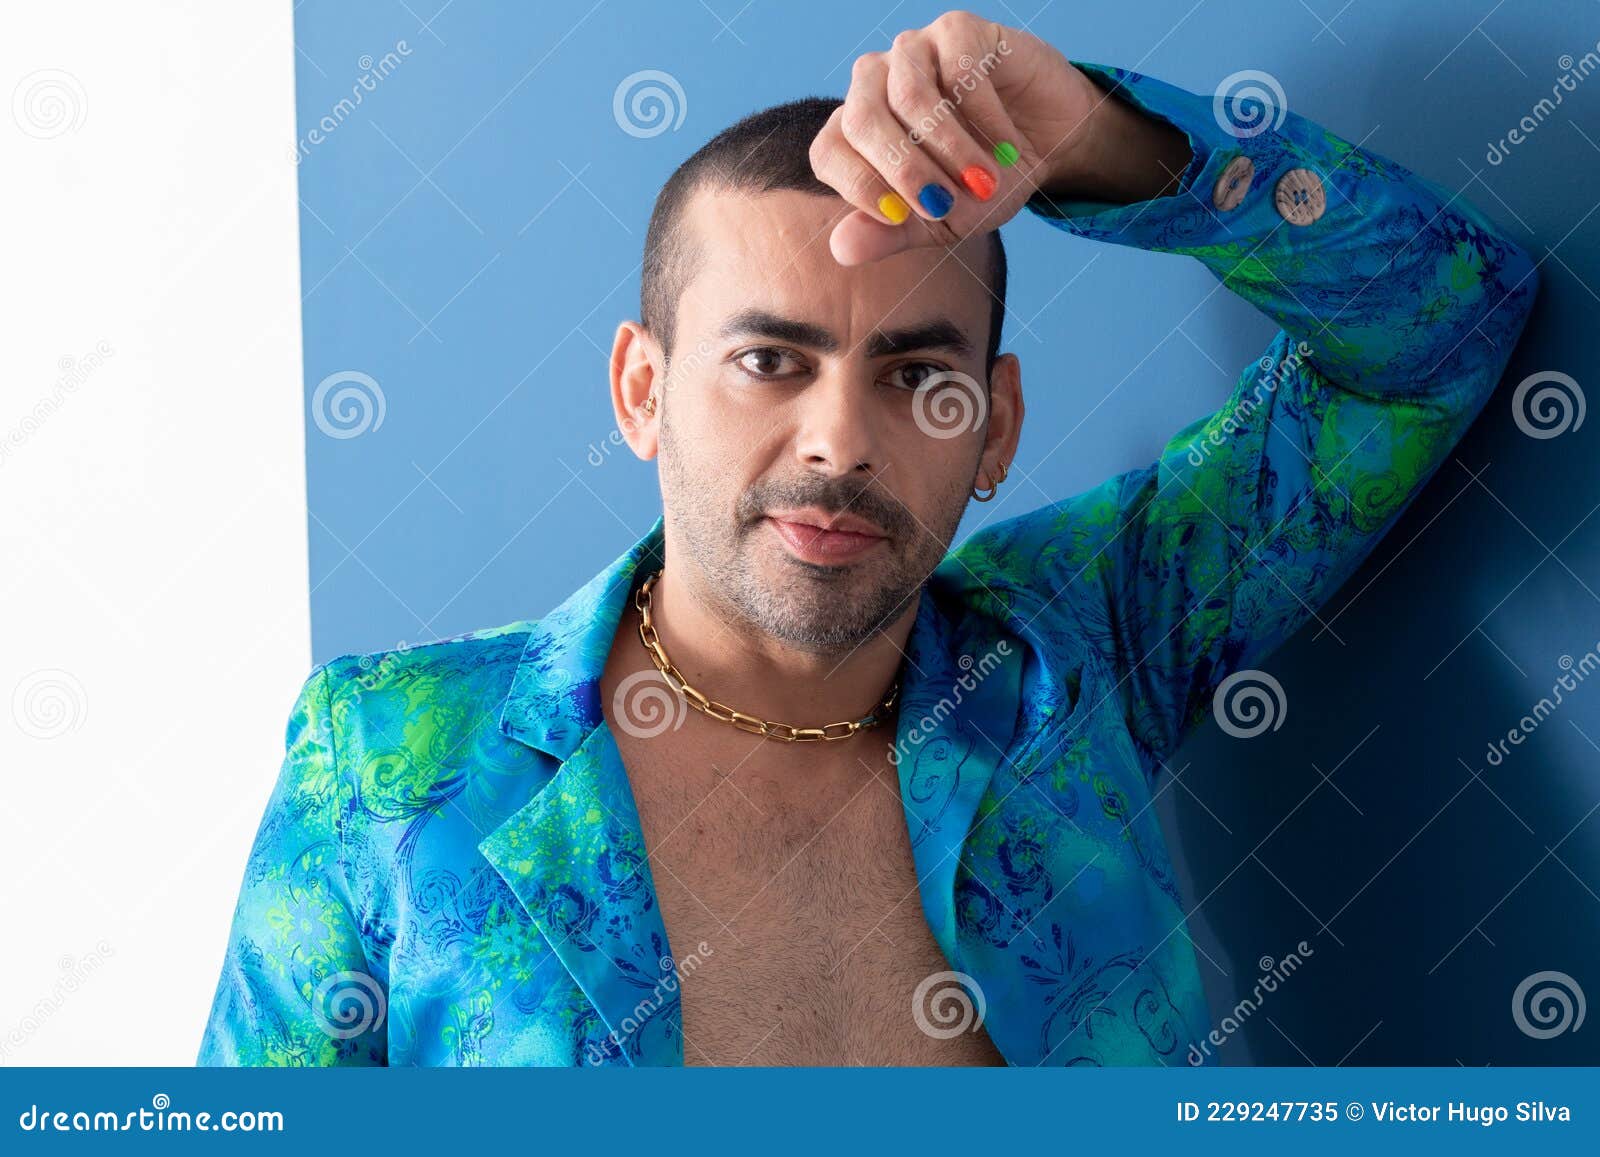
861,238
966,73
878,136
837,164
930,119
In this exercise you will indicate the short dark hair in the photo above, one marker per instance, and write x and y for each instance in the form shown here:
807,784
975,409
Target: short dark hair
764,152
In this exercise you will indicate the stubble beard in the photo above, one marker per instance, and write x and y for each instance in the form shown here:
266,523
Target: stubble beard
762,588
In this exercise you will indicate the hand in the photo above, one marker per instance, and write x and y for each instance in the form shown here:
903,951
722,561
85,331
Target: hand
925,125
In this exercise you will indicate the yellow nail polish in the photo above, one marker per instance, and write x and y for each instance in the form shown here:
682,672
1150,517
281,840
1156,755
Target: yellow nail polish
892,206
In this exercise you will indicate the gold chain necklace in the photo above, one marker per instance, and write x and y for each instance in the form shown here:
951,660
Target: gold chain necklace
721,712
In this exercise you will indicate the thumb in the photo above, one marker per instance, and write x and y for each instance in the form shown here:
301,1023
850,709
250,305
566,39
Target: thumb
860,238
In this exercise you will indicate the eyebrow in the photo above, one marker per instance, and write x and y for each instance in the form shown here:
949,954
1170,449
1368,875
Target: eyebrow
936,333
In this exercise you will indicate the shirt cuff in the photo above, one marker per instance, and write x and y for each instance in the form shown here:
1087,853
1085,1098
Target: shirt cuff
1215,183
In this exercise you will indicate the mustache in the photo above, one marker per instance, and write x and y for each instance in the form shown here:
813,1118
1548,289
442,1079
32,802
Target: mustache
862,497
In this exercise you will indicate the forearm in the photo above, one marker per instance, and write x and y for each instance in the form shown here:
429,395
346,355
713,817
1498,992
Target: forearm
1382,274
1116,154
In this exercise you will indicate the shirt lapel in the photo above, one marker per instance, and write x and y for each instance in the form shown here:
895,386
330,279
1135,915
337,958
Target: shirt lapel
958,713
574,855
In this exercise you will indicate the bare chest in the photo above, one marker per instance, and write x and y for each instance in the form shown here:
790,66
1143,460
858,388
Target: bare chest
791,904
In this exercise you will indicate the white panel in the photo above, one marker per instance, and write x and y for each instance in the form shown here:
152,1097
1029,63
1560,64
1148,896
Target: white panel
152,507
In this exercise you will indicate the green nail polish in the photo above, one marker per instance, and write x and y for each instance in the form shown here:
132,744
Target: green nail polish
1006,153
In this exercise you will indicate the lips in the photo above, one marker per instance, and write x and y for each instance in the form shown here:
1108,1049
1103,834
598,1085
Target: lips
817,537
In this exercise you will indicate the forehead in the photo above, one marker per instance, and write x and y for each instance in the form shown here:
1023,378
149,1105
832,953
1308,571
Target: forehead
770,251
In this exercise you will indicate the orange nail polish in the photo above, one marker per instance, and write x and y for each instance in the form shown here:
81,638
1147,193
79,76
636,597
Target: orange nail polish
979,181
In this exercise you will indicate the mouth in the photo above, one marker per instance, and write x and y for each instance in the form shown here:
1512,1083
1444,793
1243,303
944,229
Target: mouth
823,539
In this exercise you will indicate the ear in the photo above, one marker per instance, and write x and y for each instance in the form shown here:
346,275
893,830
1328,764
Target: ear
638,390
1005,420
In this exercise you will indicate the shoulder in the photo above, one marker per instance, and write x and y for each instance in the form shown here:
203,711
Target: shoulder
471,661
398,697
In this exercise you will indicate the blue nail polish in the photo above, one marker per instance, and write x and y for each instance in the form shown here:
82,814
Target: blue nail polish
936,199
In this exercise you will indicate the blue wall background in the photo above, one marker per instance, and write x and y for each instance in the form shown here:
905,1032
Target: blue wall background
470,235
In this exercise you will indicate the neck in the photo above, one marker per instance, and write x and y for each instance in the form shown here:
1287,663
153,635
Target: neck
729,660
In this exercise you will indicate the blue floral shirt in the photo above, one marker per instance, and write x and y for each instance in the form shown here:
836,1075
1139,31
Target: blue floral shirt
451,871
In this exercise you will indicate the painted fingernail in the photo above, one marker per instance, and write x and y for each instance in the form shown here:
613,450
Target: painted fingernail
1006,153
894,207
936,199
979,181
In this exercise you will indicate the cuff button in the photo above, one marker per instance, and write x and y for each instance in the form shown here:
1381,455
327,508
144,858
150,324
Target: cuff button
1299,197
1233,183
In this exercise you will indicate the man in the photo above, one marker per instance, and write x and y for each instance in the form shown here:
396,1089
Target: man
786,784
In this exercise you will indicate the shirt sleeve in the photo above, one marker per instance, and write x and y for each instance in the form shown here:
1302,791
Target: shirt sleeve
1399,306
296,989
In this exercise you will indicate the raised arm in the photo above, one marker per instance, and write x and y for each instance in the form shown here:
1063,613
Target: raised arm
296,988
1399,305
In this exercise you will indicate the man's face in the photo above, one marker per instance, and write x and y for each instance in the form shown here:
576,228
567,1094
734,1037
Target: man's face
810,480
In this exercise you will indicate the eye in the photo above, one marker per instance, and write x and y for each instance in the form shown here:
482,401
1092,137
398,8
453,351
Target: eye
910,375
769,362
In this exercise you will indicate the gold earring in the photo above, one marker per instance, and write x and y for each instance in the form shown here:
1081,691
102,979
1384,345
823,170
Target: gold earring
993,486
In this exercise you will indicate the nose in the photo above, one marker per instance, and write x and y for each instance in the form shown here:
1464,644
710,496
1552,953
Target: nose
838,431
